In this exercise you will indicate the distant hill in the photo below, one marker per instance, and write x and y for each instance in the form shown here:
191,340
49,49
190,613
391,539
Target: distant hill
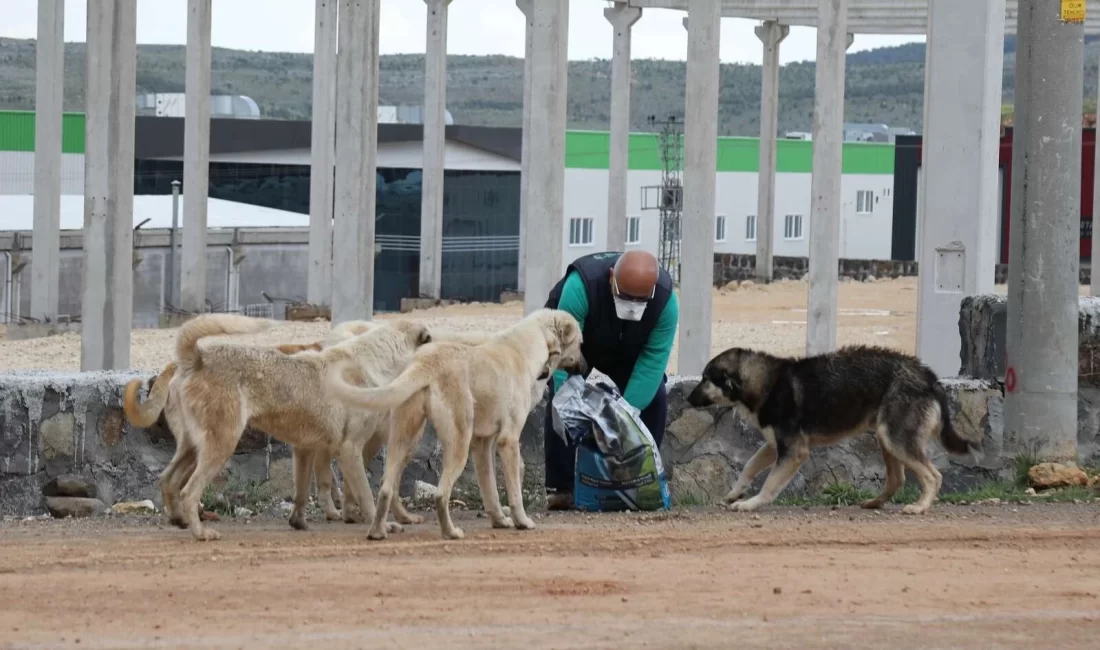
884,85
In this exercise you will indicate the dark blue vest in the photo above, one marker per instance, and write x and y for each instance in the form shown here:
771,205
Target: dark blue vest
612,345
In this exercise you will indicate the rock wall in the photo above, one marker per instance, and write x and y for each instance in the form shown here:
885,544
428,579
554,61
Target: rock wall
53,424
729,267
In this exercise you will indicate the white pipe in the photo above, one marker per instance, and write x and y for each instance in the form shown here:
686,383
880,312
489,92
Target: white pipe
7,287
229,306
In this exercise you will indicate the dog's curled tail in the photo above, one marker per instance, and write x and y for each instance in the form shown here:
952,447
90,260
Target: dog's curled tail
951,440
384,398
144,414
187,341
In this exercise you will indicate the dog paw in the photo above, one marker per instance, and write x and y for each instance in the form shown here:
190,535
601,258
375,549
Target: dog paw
412,520
744,506
873,504
394,527
914,509
335,515
208,535
455,533
733,496
179,522
376,534
298,523
524,523
503,522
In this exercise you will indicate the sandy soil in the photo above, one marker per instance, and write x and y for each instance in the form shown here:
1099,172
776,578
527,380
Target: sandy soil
771,317
991,577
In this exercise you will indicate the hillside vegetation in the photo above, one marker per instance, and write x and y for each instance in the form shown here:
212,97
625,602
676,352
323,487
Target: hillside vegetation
885,85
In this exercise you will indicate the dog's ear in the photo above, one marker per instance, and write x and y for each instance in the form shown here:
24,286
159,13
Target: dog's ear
565,326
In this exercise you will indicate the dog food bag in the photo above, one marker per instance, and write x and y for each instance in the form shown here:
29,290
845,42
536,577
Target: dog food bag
618,465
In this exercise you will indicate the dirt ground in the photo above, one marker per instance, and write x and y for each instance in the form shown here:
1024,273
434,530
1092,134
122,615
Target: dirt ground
1015,576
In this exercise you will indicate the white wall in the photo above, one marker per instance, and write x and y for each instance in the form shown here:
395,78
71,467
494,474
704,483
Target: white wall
862,236
17,173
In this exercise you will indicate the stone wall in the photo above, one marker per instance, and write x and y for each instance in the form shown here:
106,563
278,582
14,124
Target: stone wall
729,267
52,423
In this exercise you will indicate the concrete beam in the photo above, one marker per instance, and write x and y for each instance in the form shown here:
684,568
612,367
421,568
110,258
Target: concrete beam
1094,278
435,142
1041,359
546,187
864,16
196,157
833,40
622,19
107,302
962,130
525,155
700,184
48,105
356,160
771,34
323,152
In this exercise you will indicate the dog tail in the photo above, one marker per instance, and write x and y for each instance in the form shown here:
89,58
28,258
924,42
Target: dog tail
144,414
949,437
187,341
413,379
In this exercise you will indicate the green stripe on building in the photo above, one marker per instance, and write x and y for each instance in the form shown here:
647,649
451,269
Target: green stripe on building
591,150
17,131
583,149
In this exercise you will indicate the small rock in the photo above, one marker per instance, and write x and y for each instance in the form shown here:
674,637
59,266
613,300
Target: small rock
1045,476
240,511
70,485
731,286
209,516
456,503
146,507
747,284
61,507
286,507
777,590
423,491
1030,492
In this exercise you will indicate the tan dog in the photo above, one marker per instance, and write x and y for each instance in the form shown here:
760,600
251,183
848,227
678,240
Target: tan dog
144,414
475,396
222,387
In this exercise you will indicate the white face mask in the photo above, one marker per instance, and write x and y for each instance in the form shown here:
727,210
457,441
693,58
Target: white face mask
629,310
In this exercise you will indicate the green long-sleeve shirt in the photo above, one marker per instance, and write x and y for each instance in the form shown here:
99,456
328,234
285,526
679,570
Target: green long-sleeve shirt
653,361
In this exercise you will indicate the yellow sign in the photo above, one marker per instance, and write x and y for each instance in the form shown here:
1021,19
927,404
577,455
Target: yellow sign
1073,11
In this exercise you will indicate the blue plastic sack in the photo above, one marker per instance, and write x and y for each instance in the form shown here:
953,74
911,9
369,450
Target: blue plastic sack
618,465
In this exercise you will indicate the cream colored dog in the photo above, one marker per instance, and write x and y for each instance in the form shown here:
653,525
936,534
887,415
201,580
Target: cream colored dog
223,387
475,396
145,414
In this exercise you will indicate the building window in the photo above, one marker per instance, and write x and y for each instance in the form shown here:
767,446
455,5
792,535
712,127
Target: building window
633,230
865,202
720,228
580,231
792,226
750,228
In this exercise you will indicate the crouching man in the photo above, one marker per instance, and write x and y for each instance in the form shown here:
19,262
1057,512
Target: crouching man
628,312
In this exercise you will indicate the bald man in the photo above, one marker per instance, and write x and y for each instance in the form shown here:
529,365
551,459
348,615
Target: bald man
628,310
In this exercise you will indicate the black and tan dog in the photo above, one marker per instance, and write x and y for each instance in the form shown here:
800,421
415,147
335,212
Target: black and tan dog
818,401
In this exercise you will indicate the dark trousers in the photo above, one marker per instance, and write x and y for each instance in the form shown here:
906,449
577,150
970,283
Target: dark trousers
561,458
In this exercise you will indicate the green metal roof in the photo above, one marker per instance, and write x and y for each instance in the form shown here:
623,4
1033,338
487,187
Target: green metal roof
583,149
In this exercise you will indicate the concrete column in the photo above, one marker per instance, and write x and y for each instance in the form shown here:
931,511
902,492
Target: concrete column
107,304
196,157
700,184
546,187
525,171
1041,361
1094,276
435,144
828,136
356,158
48,105
771,34
622,19
960,197
323,153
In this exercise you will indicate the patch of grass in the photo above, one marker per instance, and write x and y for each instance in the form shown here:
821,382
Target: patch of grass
1003,490
238,492
689,498
1020,466
845,494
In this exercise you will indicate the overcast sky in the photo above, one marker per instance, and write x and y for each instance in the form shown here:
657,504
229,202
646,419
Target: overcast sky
476,27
